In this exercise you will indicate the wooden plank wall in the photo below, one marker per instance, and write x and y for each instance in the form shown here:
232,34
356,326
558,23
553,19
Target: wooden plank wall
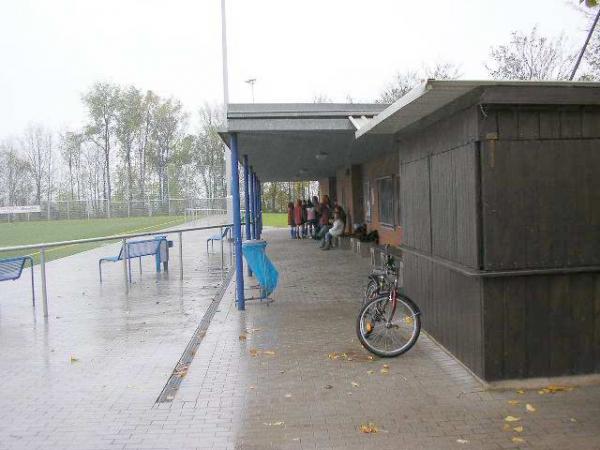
541,188
439,184
542,326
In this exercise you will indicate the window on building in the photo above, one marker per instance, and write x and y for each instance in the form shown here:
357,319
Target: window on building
386,206
367,201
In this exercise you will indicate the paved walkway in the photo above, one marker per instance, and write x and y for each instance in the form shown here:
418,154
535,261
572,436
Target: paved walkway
290,374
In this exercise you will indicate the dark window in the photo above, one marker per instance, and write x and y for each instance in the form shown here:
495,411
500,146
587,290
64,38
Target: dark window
387,210
367,201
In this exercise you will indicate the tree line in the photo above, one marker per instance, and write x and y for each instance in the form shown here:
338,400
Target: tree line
134,146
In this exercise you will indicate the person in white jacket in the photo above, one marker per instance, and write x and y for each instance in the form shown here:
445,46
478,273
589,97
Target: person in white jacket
336,230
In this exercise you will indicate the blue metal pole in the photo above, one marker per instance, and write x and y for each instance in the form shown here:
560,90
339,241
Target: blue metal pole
237,223
251,202
260,224
247,199
257,202
254,212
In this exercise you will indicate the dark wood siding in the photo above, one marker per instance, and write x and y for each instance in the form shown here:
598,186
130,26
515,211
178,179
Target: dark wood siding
541,325
414,197
541,203
454,205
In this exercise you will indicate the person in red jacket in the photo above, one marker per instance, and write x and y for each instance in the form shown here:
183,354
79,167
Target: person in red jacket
291,222
298,218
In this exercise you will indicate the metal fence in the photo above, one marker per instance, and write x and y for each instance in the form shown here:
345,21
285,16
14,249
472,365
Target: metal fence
88,209
42,247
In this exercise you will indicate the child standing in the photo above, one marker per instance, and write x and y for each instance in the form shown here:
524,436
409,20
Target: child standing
311,219
298,218
291,222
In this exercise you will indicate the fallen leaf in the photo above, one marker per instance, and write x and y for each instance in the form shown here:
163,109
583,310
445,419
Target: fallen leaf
385,366
269,352
518,429
252,387
333,355
328,386
511,419
529,408
370,372
274,424
554,388
520,391
506,427
243,337
513,402
355,384
288,395
517,440
384,370
368,428
73,359
462,441
573,419
254,352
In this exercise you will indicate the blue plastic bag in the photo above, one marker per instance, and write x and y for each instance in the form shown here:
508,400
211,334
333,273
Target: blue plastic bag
261,265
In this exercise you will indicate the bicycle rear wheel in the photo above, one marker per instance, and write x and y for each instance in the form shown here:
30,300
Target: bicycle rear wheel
387,331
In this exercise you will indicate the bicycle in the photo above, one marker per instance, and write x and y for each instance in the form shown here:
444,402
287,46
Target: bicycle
389,323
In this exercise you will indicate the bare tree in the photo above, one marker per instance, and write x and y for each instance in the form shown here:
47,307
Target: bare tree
145,138
129,120
15,181
70,149
531,57
168,132
102,102
37,144
209,156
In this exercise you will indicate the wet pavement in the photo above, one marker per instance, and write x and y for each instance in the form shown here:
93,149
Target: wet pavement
289,374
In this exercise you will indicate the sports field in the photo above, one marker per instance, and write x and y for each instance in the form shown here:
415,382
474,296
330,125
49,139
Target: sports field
23,233
275,219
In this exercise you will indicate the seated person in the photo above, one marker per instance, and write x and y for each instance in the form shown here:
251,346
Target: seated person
337,229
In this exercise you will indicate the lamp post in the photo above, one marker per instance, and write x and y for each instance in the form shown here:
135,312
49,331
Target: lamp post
251,82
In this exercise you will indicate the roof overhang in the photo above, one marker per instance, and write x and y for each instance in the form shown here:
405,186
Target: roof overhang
295,142
433,95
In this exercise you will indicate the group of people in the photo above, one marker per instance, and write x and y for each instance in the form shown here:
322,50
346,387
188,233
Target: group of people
314,219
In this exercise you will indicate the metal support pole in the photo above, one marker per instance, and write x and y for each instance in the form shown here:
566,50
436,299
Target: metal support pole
257,206
259,198
247,199
125,271
222,255
237,225
43,273
180,255
250,218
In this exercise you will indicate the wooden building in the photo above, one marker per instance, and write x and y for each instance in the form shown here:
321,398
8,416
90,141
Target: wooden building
492,192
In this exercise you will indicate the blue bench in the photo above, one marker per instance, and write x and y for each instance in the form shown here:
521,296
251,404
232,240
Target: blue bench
217,237
138,249
12,268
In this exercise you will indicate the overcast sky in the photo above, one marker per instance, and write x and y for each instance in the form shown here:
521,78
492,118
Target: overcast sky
52,51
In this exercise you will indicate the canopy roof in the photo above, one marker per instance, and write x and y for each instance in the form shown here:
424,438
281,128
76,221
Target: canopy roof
288,142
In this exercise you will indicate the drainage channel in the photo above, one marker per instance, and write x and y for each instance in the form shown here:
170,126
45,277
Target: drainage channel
171,387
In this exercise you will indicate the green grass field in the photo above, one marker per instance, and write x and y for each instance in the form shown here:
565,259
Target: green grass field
23,233
275,219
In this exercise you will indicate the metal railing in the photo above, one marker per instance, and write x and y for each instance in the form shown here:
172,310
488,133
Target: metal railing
42,247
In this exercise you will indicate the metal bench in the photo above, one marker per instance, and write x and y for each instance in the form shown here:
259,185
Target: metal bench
217,237
138,249
12,268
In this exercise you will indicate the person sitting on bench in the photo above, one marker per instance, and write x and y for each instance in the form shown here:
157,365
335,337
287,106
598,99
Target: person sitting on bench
337,229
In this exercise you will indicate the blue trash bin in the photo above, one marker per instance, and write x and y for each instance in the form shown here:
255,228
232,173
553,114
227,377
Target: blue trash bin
261,265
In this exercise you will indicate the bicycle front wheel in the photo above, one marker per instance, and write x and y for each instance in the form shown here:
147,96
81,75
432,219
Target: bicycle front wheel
387,331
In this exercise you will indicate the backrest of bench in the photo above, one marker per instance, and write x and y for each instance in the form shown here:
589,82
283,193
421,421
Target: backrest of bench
11,268
142,248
